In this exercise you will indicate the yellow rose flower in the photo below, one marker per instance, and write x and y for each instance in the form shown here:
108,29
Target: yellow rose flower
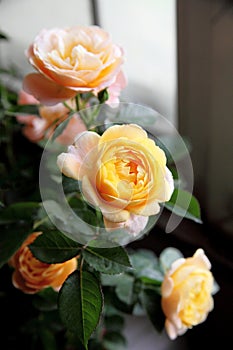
70,61
123,173
31,275
186,293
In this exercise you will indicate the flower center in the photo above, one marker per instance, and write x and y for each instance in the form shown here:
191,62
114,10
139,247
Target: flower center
195,305
126,170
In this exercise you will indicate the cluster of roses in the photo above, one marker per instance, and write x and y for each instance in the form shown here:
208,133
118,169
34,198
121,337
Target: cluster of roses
122,172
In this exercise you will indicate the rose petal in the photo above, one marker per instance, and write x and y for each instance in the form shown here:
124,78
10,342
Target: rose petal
85,142
114,89
45,90
171,330
68,165
110,212
150,208
202,259
175,265
130,131
167,287
26,99
134,225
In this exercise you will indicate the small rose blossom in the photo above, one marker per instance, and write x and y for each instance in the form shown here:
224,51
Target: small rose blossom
37,128
187,293
31,275
122,172
71,61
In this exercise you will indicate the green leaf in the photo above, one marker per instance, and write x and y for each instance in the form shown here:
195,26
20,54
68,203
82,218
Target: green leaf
116,304
183,203
114,341
11,238
107,260
21,211
61,127
77,203
48,338
168,256
103,96
70,185
131,113
46,300
80,304
146,266
114,323
87,216
142,259
151,276
23,109
138,310
67,223
125,289
16,221
54,247
110,280
52,320
151,301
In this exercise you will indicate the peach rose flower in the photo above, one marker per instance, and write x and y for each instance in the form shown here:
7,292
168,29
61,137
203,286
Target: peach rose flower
186,293
122,172
31,275
37,128
71,61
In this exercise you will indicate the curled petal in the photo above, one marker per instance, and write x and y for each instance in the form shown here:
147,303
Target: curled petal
45,90
167,287
134,225
175,265
202,259
26,99
170,329
85,142
68,165
169,183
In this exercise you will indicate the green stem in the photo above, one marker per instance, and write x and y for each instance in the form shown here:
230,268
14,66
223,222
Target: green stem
68,107
78,102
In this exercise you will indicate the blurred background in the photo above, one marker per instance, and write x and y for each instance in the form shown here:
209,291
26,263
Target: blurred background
179,58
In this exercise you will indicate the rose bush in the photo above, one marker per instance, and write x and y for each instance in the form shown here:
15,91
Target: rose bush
31,275
40,127
123,173
187,293
71,61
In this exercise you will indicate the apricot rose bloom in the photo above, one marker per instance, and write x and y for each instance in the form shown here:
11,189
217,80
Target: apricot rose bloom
186,293
122,172
41,127
71,61
31,275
